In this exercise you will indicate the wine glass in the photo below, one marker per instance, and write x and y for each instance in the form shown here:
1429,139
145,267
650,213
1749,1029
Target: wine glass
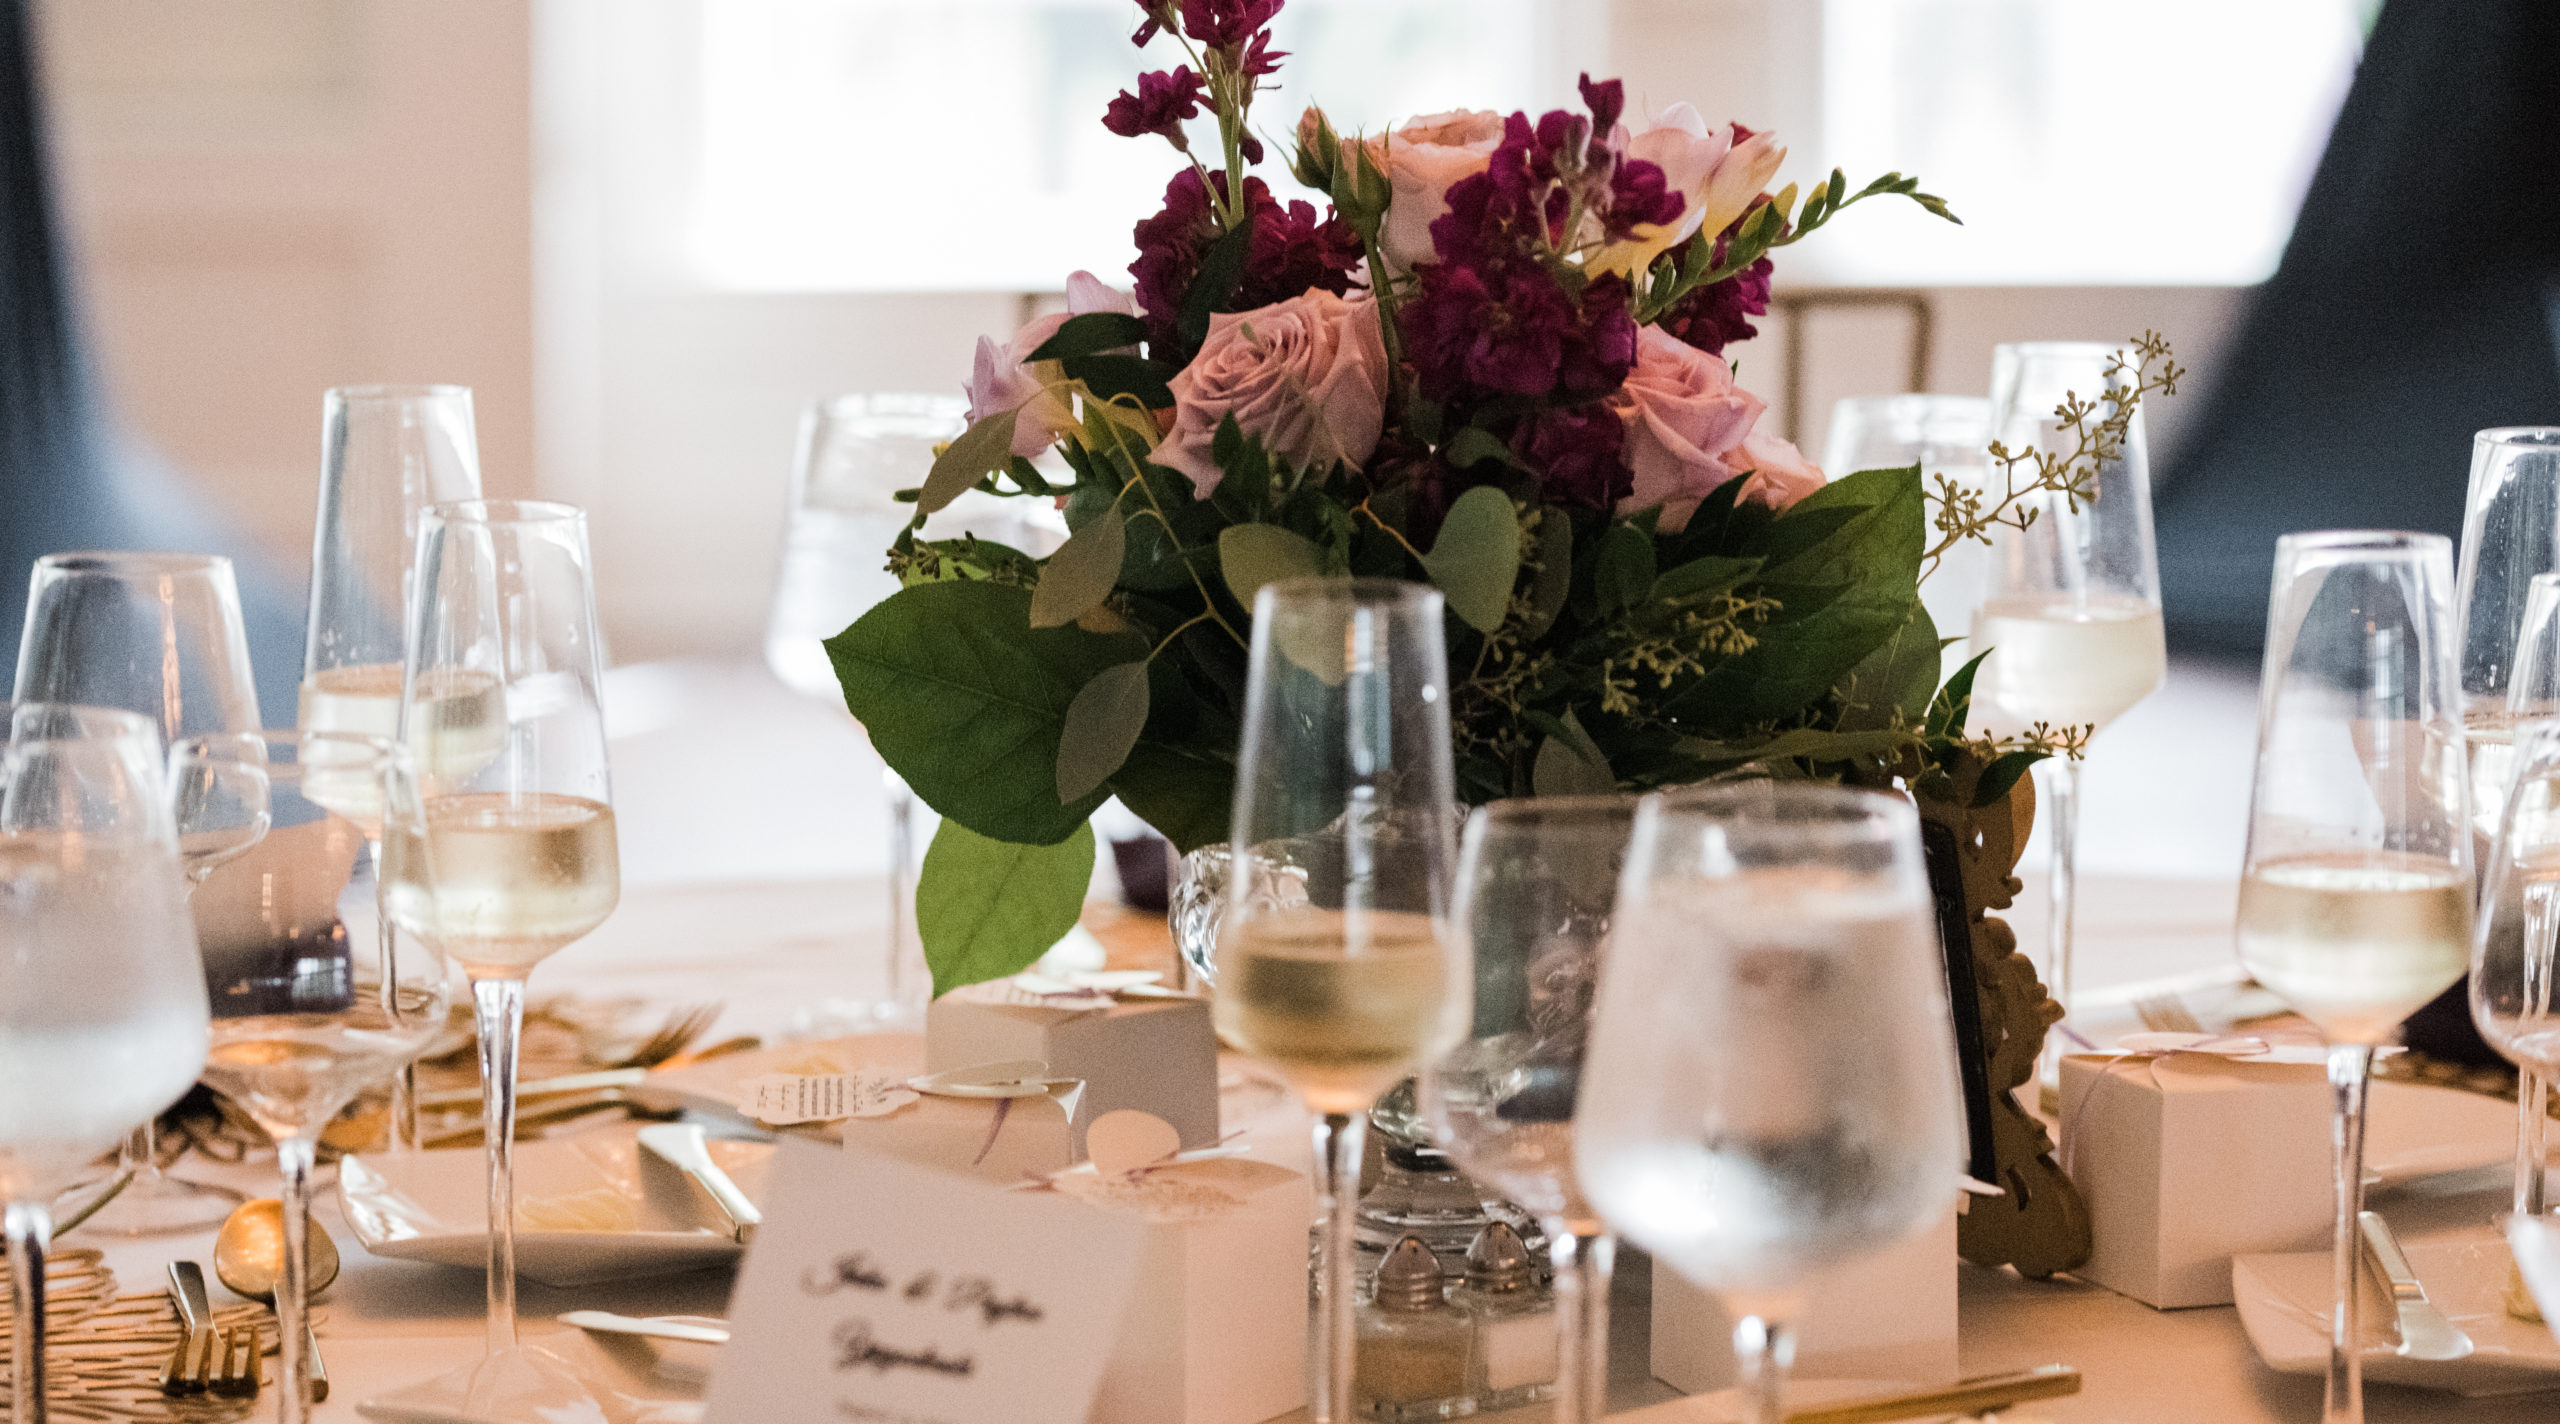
2355,900
2071,606
161,635
1947,437
1771,1086
102,998
386,453
311,1003
1344,981
2510,536
1537,881
511,857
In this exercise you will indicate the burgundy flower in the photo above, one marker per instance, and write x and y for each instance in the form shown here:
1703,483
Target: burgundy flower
1292,250
1639,194
1159,14
1606,100
1163,101
1259,57
1575,451
1223,24
1476,331
1719,314
1600,348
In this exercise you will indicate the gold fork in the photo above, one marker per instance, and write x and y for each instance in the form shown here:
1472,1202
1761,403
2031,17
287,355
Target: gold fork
235,1373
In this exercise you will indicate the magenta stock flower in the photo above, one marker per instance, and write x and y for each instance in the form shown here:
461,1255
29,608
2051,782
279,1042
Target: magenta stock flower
1719,314
1224,24
1292,250
1164,99
1575,449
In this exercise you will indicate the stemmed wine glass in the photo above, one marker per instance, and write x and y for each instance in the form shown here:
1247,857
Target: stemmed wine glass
159,635
1947,437
102,999
2355,901
513,857
1537,881
2071,607
386,453
311,1003
2510,536
1335,965
1771,1084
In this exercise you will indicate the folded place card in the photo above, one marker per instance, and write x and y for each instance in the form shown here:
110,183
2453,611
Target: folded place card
881,1292
1892,1317
2189,1158
1132,1044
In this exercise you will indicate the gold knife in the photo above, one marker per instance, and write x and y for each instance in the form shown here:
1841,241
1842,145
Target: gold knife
1971,1396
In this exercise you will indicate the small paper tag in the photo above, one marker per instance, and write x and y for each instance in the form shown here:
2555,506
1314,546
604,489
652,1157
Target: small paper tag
787,1099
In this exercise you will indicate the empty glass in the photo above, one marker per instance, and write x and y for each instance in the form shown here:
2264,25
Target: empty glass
160,635
2356,897
1771,1084
1537,881
102,999
2524,819
2071,607
1346,980
1947,437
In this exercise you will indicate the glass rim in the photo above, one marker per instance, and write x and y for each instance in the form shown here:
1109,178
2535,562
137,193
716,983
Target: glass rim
2375,541
1367,592
1811,811
396,391
2531,435
134,560
1617,807
504,511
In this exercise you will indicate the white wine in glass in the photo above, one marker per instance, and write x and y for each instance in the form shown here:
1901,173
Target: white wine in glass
2070,662
515,876
2354,941
1343,1007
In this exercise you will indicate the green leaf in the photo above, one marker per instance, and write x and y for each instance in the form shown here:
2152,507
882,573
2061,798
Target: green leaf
1702,578
1811,743
1474,445
1555,572
1113,374
1102,724
1570,764
1221,268
1954,702
1623,572
981,450
2002,774
1187,797
1251,555
988,908
967,700
1090,335
1078,577
1476,559
1893,683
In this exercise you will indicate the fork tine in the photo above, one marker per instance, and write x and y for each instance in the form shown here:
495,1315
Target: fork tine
239,1378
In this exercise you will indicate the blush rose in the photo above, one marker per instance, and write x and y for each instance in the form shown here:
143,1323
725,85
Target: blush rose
1307,377
1689,429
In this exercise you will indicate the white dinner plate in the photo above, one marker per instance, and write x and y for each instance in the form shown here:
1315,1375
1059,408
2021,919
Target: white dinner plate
2284,1305
2415,1130
433,1206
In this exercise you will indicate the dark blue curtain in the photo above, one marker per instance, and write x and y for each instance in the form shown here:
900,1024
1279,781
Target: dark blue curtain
2418,301
66,481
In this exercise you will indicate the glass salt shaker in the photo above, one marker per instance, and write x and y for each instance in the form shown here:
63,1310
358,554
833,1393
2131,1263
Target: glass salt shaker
1416,1351
1514,1318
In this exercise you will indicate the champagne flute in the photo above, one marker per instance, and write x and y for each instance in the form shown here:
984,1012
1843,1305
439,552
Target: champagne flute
160,635
513,858
1947,437
386,453
1346,981
2071,610
1771,1085
2510,536
2355,901
311,1004
102,998
1537,880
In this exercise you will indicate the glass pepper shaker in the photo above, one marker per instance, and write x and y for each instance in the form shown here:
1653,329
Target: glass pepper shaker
1416,1355
1514,1318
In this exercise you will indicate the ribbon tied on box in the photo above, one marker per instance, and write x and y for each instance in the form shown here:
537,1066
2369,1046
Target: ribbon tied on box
2148,1054
1076,990
791,1099
1135,1159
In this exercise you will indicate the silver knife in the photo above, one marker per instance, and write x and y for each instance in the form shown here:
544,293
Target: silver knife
682,1145
195,1312
2425,1334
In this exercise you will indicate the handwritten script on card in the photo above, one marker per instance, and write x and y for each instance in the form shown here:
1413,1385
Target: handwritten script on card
882,1292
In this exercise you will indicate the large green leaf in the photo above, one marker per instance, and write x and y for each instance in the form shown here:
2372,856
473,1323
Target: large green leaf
1083,571
1251,555
1476,559
1570,764
966,699
1893,684
988,908
1101,725
1091,334
1187,797
981,450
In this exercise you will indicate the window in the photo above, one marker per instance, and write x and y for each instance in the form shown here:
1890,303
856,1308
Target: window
955,145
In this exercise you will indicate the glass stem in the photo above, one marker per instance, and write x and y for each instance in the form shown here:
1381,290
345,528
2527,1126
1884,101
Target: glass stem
30,1230
2064,782
403,1127
499,1007
2343,1402
1582,1262
1332,1343
1763,1348
295,1156
902,859
2532,1122
141,1158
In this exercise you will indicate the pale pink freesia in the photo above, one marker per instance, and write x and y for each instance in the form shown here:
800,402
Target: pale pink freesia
1423,159
1307,377
1690,429
1716,176
1006,378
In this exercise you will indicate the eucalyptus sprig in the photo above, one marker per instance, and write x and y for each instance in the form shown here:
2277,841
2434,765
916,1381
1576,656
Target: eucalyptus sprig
1686,268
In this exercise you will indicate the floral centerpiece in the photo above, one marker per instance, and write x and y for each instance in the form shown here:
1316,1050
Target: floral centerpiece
1493,360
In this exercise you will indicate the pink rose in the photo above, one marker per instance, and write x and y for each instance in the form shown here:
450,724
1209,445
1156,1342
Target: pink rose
1307,377
1006,378
1690,429
1423,160
1717,172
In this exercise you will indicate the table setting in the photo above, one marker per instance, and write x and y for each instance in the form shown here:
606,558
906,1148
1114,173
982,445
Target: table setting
1563,950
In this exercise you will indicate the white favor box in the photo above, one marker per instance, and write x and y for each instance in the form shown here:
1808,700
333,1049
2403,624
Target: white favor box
1000,1140
1892,1317
2189,1159
1158,1055
1215,1328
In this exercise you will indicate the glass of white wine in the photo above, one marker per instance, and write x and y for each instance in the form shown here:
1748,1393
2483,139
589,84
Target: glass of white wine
1348,980
1771,1085
2356,896
510,858
311,1004
2071,603
102,999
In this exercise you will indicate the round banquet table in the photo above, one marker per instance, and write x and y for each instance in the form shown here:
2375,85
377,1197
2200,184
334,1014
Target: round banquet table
751,849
